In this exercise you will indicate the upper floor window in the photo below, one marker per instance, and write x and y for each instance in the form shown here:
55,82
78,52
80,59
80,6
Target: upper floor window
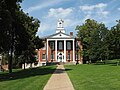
60,45
68,45
52,45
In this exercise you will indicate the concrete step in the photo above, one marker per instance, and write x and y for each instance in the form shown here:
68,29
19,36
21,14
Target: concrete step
66,63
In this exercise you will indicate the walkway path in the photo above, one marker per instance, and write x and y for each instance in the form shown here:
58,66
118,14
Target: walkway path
59,80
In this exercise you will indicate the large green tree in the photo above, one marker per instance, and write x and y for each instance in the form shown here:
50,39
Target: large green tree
8,10
112,42
92,35
17,30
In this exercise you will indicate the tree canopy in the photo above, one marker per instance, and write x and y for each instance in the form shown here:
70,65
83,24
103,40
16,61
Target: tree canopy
17,31
112,42
99,43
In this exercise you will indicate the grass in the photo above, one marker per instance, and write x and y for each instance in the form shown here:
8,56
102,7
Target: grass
29,79
114,62
94,77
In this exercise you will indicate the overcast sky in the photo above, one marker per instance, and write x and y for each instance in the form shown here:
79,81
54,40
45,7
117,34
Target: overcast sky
73,12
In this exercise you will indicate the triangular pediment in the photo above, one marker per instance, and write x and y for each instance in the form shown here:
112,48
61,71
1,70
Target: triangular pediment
60,35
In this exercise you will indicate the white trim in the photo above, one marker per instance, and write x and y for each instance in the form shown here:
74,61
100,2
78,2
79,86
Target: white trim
56,50
60,35
47,51
73,51
64,50
61,39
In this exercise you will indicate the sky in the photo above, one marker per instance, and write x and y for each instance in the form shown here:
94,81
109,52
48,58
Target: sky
73,12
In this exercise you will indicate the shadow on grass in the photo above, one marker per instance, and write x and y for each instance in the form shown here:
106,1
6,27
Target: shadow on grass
20,74
59,71
115,62
114,65
110,64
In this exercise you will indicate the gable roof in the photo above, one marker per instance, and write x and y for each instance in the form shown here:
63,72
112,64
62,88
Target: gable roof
59,35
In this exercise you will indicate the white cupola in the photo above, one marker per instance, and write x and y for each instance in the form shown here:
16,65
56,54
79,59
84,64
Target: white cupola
60,27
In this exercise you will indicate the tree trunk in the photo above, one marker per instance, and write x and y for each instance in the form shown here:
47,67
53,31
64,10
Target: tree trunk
11,51
24,64
10,61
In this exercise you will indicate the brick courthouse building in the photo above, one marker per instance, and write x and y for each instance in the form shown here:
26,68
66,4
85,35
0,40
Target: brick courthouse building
60,47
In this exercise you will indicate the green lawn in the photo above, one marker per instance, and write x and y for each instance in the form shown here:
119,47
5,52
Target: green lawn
94,77
29,79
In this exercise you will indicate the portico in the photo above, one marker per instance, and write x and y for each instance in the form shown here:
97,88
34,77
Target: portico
62,51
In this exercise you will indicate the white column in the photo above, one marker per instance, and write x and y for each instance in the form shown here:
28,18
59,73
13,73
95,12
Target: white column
56,50
64,50
47,51
73,50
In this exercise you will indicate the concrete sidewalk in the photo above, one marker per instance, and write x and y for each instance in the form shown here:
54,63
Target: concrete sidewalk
59,80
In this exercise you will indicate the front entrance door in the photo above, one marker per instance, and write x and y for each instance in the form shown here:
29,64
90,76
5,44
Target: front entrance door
60,57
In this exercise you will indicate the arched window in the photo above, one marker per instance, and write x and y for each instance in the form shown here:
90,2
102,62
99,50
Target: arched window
68,45
60,46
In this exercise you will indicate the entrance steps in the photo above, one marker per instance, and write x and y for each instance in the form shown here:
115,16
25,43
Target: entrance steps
66,63
60,63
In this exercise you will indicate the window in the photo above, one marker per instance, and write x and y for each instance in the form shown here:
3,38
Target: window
43,56
52,45
68,56
68,45
77,47
60,46
52,56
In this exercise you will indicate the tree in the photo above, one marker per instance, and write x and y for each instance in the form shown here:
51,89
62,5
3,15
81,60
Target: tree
112,42
17,30
92,35
26,40
7,20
